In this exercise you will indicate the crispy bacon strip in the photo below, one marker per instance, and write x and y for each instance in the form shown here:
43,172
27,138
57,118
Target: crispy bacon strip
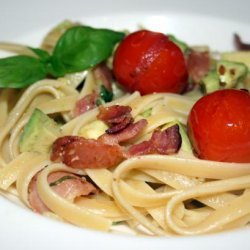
198,64
117,117
67,185
162,142
70,186
78,152
130,132
85,104
34,199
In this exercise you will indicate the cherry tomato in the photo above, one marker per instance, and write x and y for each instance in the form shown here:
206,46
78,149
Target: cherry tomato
149,62
219,126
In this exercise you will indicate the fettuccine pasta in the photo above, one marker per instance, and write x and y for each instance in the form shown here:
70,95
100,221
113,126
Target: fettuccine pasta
154,194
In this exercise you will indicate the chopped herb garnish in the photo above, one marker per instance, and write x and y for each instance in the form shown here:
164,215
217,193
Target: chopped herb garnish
115,223
62,179
105,94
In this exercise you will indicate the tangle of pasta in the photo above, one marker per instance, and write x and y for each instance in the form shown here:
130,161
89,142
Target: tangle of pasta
163,195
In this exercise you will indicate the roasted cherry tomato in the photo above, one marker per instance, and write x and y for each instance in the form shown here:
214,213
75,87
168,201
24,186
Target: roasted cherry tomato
149,62
219,126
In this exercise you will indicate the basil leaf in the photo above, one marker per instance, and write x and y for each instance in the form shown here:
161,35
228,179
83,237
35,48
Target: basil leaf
105,94
55,68
43,55
82,47
20,71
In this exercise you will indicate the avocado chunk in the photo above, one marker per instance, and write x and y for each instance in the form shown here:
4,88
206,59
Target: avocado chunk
39,133
231,73
210,82
186,144
226,75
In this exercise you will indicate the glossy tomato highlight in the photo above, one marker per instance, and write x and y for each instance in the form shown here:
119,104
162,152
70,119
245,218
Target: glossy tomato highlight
219,126
149,62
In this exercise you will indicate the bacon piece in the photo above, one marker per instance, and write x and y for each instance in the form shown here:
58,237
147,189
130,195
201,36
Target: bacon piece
85,104
67,185
117,117
70,186
162,142
78,152
130,132
34,199
198,64
114,114
103,75
119,126
239,44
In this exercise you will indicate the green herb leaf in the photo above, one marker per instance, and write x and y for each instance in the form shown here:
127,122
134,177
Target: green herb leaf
116,223
20,71
79,48
105,94
62,179
43,55
82,47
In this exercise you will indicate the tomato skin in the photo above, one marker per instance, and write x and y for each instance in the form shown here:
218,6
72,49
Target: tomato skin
219,126
149,62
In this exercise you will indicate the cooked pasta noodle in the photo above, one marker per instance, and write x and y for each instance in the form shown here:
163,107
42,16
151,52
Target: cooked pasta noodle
152,194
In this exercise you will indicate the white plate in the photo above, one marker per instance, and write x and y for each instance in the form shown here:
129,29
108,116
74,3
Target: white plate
193,21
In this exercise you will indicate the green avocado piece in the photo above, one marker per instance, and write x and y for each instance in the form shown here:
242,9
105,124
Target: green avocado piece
210,82
186,144
231,73
226,75
39,133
